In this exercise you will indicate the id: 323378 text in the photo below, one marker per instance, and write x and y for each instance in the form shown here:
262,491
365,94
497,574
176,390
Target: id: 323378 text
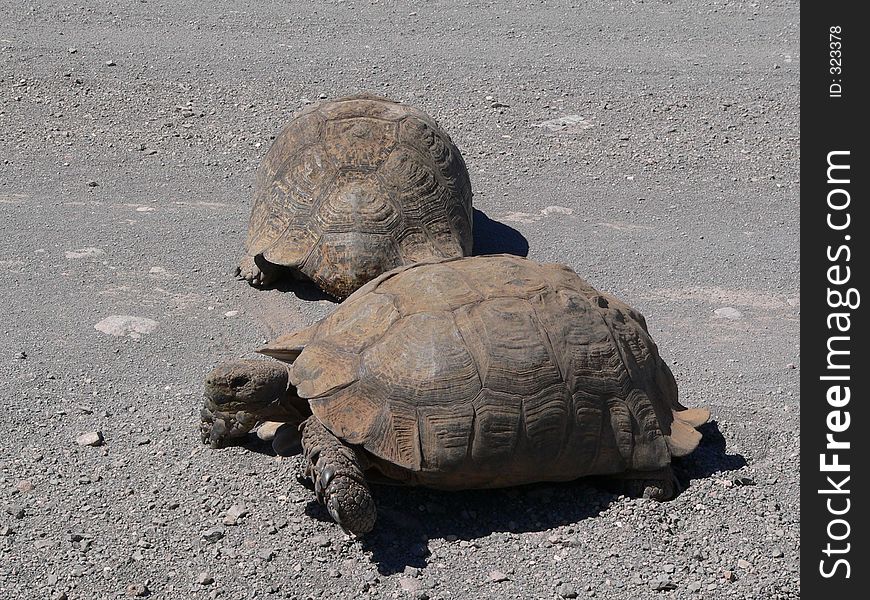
835,54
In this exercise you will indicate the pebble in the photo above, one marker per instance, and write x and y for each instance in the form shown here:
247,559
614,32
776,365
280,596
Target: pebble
92,183
21,356
111,63
266,431
24,486
72,50
126,325
410,584
566,591
231,313
234,513
729,576
778,553
137,590
744,564
265,555
84,252
567,123
213,534
668,568
695,587
204,579
743,480
728,312
92,438
497,576
662,584
321,541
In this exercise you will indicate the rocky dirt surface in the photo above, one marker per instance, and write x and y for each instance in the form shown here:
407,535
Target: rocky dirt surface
652,146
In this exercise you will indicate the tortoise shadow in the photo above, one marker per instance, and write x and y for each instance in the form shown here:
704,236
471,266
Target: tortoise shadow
301,287
409,517
709,458
493,237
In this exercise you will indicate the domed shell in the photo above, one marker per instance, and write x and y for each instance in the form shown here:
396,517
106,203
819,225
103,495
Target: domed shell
357,186
491,371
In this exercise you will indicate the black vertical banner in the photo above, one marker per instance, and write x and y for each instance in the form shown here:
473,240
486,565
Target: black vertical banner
835,225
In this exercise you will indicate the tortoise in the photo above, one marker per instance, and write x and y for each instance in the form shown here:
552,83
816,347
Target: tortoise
478,372
352,188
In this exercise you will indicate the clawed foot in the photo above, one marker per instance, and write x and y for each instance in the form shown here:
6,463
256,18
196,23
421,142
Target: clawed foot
653,485
255,270
219,429
338,480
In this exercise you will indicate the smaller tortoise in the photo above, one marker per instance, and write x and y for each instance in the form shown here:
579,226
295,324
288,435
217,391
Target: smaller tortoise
479,372
353,188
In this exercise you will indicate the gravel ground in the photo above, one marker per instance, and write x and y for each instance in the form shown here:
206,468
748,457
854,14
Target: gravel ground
652,146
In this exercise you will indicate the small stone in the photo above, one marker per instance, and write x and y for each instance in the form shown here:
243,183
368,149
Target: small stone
668,568
410,584
728,312
72,50
5,530
265,555
566,591
663,584
137,590
92,183
499,105
110,63
321,541
695,587
234,513
92,438
24,486
213,534
60,596
777,553
729,576
742,480
497,576
412,571
204,579
744,564
790,366
231,313
126,325
267,430
21,356
142,440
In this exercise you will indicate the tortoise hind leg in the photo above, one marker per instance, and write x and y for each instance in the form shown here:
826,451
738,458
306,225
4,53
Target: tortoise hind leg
257,271
655,485
337,474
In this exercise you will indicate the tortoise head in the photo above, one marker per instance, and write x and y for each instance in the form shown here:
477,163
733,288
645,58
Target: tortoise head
246,384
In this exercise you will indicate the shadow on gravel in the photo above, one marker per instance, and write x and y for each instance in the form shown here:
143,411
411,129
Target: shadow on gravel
303,289
492,237
409,517
709,457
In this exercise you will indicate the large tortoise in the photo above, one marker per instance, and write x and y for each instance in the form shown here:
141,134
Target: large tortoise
353,188
479,372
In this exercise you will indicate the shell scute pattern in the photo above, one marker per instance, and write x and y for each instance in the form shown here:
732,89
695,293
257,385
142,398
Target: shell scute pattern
358,186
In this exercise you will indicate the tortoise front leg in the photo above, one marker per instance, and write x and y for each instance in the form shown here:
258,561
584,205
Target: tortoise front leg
257,271
337,473
654,485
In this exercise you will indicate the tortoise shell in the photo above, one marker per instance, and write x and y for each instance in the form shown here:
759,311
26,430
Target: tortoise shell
357,186
490,371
